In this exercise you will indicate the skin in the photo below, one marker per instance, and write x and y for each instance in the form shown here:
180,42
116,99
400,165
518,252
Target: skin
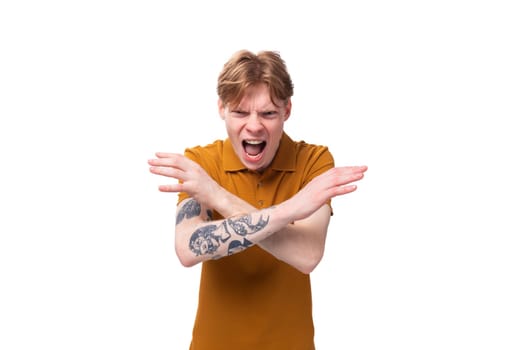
293,231
256,119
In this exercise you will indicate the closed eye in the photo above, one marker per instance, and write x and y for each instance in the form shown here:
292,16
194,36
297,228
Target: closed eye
239,113
269,114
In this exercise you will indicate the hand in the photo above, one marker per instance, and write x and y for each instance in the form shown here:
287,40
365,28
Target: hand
332,183
194,180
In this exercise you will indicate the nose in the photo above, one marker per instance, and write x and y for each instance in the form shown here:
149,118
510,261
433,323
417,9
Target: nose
253,124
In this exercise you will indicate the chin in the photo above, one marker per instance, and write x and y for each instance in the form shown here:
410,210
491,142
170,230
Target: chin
255,167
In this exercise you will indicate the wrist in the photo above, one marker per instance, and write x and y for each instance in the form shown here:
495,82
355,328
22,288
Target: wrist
229,205
284,212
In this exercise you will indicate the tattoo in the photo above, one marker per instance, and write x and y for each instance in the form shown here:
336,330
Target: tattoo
238,246
207,239
243,225
189,210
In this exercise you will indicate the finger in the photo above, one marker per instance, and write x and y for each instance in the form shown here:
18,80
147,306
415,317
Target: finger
346,177
357,169
169,172
165,162
171,188
168,155
172,159
179,162
341,190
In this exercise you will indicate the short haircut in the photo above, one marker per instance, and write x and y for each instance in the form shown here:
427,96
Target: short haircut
246,69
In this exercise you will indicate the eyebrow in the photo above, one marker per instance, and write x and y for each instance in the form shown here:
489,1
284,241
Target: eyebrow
266,108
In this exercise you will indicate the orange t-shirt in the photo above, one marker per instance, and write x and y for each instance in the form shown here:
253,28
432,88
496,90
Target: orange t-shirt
251,300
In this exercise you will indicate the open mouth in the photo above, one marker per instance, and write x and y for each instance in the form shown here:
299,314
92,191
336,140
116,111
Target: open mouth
253,147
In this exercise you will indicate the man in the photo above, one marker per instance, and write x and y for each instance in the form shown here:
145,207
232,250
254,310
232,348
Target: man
254,209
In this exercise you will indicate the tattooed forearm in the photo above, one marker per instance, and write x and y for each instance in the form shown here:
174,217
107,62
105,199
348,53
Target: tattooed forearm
189,210
208,239
243,225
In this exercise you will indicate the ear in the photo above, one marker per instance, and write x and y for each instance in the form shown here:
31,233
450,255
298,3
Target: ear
222,111
288,109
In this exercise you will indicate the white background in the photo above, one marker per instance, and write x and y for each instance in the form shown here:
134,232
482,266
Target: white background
427,254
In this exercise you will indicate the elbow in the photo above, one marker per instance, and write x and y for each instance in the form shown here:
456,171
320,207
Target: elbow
306,269
184,258
186,262
310,262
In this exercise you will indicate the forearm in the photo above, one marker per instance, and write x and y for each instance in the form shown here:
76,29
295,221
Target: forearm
227,204
198,238
300,245
215,239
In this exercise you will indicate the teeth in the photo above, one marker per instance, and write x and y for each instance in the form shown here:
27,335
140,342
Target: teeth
253,142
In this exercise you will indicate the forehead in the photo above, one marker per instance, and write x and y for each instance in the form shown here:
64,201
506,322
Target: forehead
258,96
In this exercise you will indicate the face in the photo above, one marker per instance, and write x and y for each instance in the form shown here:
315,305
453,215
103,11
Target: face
255,126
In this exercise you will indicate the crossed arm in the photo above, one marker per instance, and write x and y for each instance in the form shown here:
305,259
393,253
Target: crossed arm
294,231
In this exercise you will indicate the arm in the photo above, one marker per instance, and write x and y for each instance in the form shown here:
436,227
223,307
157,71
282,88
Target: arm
300,244
197,239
